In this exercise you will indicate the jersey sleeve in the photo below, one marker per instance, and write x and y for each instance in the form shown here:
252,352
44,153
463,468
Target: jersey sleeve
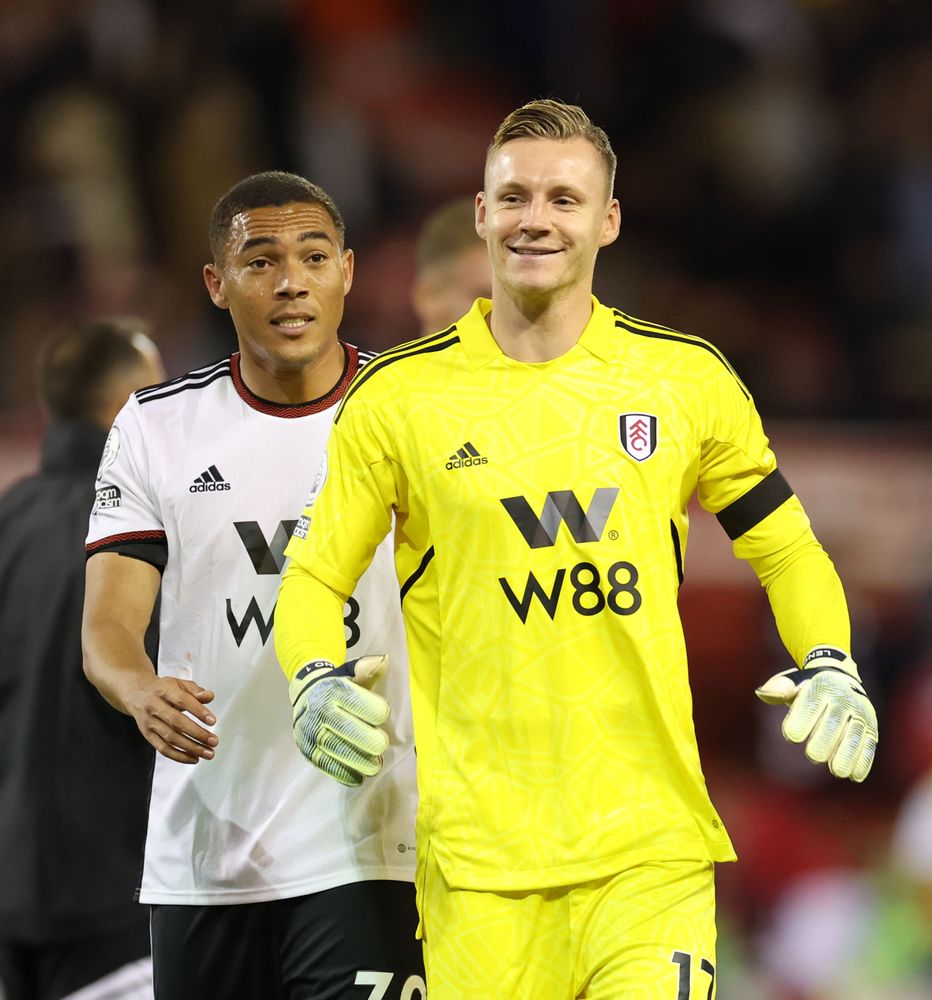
739,480
348,514
125,517
740,483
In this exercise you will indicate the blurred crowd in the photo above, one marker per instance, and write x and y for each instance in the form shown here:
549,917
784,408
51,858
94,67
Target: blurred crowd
776,187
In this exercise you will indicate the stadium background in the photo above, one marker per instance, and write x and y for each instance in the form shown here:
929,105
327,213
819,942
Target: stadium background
776,188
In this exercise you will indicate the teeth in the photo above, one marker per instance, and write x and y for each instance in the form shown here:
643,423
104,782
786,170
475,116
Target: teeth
291,323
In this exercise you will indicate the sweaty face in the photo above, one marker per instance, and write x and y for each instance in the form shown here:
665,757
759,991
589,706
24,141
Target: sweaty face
544,213
283,278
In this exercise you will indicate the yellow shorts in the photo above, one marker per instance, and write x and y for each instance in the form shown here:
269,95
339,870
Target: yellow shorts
647,933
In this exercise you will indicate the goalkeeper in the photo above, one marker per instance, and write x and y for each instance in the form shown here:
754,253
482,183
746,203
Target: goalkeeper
538,457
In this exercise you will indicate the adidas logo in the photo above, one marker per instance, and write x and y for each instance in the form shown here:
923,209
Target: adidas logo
466,456
209,481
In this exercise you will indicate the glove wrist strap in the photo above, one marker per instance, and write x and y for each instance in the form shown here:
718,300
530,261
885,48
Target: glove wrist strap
309,674
829,658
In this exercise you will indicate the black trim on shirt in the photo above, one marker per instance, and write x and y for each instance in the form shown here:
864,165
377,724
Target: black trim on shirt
759,501
148,546
677,551
191,380
664,334
418,573
147,552
223,373
426,346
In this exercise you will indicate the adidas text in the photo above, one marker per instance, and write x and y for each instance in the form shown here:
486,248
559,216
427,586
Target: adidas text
207,487
464,463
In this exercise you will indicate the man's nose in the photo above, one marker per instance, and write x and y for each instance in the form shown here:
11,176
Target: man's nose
292,283
536,217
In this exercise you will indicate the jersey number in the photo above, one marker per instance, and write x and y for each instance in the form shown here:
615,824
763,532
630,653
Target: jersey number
413,988
685,961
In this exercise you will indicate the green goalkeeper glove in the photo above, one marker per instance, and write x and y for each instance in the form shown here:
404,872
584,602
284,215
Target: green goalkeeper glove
828,707
336,718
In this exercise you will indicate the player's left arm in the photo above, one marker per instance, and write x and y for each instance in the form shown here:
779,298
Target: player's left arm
741,484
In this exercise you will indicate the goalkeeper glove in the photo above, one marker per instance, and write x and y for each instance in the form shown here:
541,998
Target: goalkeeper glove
336,719
828,707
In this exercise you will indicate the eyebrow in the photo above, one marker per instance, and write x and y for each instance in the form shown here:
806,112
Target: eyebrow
563,187
311,234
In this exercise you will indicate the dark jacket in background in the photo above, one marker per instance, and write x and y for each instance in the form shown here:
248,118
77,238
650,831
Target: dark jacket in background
74,772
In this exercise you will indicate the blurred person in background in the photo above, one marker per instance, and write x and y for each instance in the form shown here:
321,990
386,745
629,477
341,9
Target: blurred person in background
452,266
860,933
74,777
538,457
265,878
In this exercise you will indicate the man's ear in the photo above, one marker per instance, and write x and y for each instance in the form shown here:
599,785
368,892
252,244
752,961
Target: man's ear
612,223
213,279
480,214
348,264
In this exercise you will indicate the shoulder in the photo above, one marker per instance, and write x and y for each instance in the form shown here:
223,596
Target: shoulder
675,351
191,382
388,373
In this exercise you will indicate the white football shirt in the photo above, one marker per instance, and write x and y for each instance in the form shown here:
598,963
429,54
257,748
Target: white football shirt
205,478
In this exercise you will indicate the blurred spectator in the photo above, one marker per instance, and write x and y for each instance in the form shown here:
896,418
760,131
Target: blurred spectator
451,266
862,933
74,776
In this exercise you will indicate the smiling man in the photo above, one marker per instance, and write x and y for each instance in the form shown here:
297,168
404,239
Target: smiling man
539,456
266,879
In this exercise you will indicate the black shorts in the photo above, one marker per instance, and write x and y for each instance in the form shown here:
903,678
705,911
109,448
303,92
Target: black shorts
353,942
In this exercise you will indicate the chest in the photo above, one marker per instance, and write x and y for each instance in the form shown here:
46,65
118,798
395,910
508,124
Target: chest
236,493
548,448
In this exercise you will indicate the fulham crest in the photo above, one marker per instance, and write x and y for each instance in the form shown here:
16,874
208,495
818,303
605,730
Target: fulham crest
638,433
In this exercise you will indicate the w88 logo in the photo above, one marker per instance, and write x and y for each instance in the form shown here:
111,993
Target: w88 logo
587,591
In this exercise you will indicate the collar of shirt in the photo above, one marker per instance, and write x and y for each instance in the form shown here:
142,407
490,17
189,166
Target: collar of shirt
72,446
599,337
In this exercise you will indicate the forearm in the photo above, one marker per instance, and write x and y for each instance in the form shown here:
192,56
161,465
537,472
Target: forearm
116,662
803,588
119,597
308,621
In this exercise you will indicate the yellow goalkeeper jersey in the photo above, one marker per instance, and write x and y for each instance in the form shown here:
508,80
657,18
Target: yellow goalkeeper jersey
540,536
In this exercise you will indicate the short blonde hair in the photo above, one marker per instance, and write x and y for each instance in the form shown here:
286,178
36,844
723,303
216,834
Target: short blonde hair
551,119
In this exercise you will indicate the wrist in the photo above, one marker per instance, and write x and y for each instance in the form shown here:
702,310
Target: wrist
829,658
309,674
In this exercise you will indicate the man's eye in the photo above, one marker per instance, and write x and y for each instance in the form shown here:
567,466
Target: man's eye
258,265
317,257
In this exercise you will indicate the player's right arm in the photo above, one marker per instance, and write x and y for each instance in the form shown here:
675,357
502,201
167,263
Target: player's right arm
348,514
120,595
127,550
336,719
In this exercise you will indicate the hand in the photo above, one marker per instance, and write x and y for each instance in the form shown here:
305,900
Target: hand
830,708
336,717
165,711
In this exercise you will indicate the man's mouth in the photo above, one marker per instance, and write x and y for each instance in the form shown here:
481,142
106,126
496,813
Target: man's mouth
292,323
533,251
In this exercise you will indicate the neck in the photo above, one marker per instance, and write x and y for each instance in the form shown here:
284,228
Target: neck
539,329
295,382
